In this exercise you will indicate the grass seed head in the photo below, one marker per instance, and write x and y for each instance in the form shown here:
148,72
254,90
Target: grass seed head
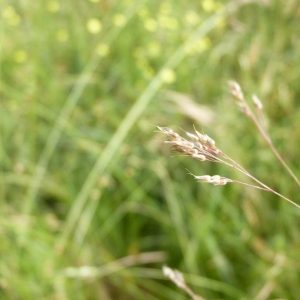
192,136
200,157
215,179
236,90
202,148
257,103
203,178
175,276
169,132
209,140
198,145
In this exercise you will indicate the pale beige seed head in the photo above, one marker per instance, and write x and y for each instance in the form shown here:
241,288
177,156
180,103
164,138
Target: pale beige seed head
174,135
188,144
199,157
209,140
235,86
168,131
171,143
223,181
165,130
183,144
174,276
200,135
257,103
215,179
198,145
192,136
194,152
204,138
236,90
244,108
203,178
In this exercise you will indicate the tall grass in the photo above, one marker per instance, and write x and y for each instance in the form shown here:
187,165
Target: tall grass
90,208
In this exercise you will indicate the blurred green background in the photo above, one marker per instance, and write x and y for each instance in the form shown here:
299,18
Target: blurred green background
93,204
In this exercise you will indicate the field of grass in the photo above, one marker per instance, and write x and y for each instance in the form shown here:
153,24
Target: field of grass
93,203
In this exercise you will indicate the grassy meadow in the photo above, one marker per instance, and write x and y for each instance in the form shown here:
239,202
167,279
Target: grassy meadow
93,203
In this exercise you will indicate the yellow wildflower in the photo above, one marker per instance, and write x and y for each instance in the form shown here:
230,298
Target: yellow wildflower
119,20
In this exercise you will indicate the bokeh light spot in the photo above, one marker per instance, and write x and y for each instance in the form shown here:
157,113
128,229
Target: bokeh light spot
168,76
150,24
119,20
102,49
62,35
20,56
94,25
53,6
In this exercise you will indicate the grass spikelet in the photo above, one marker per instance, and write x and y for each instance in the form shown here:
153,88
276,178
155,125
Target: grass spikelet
203,148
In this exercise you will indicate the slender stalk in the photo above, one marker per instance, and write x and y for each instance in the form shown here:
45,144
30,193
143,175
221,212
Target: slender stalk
250,185
270,143
266,188
236,91
271,190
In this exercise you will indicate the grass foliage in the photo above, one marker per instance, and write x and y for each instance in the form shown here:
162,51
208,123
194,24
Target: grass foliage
92,204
